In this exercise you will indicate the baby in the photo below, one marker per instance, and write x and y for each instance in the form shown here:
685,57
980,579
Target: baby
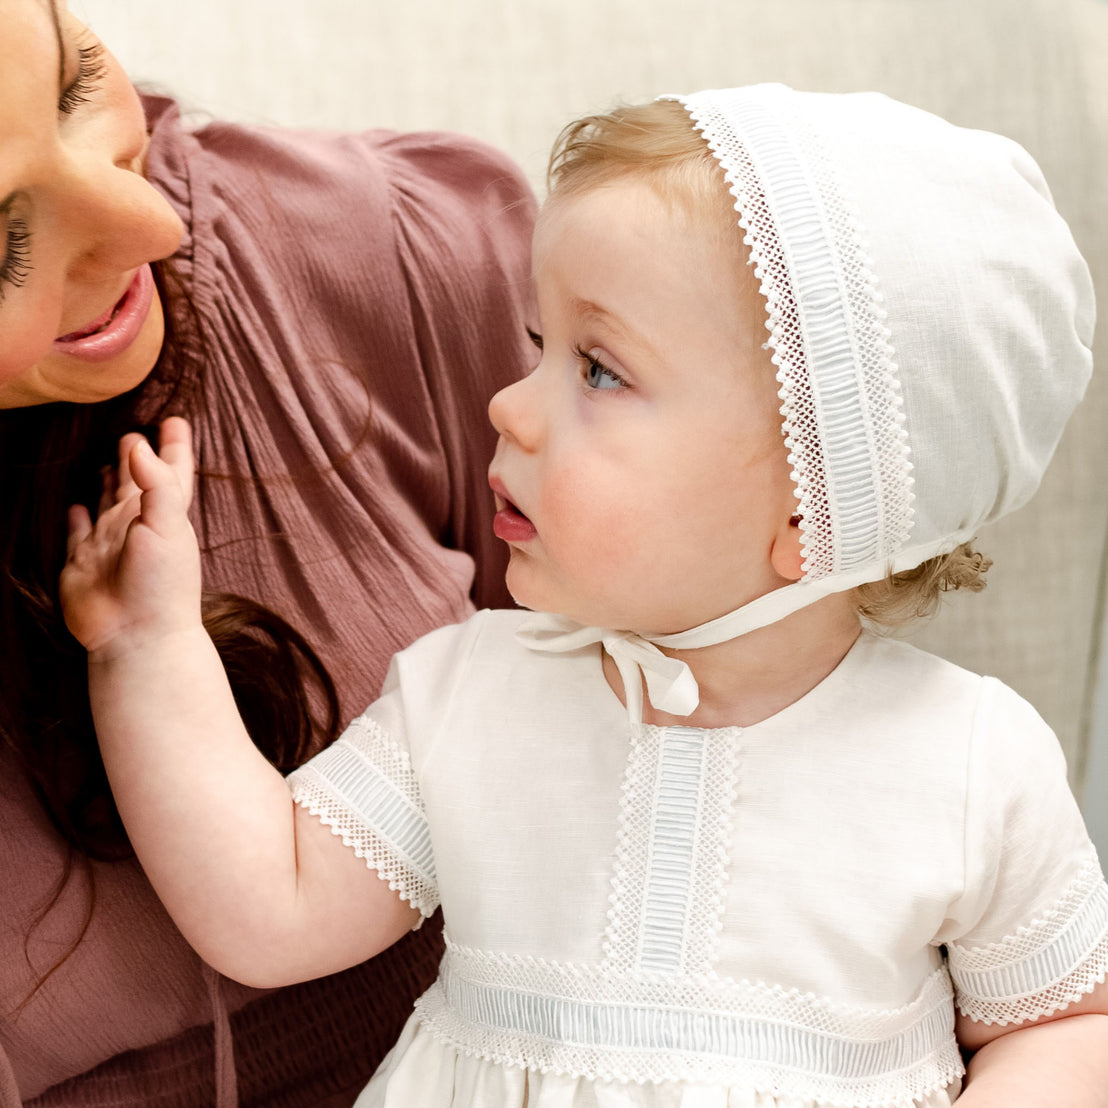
699,835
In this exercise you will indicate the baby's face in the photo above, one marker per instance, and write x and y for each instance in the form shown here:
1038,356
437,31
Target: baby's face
641,474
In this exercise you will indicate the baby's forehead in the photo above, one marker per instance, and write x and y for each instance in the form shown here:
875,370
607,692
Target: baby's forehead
631,218
645,201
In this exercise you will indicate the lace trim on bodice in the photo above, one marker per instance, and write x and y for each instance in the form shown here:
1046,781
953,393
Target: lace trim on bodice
1043,967
594,1021
364,788
675,827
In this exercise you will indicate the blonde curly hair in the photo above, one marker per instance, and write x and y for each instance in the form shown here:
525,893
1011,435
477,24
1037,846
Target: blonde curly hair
913,594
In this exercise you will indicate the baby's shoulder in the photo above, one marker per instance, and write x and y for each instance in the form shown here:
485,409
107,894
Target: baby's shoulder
490,630
899,680
482,648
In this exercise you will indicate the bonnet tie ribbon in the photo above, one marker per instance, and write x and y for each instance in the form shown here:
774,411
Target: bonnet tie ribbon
670,684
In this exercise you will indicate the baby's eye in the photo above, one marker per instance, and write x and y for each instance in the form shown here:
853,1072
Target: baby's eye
596,374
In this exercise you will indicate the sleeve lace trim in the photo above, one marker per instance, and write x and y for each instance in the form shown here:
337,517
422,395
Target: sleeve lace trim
1043,967
364,788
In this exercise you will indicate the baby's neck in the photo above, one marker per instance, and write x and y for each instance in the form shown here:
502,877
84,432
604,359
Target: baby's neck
755,676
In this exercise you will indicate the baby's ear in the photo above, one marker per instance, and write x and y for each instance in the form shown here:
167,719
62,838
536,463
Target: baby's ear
787,555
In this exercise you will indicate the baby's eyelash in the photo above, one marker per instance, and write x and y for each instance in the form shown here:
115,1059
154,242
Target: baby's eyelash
17,257
594,365
91,69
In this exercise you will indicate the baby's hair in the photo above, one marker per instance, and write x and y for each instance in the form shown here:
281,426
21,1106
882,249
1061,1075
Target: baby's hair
653,142
913,594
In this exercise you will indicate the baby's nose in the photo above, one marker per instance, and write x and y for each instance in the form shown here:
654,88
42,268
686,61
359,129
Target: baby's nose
516,413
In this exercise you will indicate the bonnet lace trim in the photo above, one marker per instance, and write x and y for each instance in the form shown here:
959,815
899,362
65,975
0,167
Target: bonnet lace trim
841,405
364,788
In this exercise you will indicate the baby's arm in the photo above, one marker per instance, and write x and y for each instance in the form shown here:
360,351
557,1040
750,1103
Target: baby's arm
1060,1061
261,888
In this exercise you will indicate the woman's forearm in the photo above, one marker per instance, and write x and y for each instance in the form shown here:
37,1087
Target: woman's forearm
1062,1063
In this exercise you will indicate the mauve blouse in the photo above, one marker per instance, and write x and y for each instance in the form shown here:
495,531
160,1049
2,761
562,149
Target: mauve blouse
356,300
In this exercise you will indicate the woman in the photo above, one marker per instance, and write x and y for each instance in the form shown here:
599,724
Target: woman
334,313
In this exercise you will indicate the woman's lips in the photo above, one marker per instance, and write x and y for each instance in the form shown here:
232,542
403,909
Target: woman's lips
110,334
509,523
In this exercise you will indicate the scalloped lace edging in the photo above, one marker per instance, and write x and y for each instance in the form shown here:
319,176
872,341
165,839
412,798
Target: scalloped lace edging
376,853
1043,967
675,829
363,788
840,387
589,1022
1047,1002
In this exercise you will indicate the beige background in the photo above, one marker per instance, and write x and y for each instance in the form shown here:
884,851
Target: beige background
513,71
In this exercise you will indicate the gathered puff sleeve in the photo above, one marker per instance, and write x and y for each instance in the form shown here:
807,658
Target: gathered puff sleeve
468,276
366,785
352,301
1029,933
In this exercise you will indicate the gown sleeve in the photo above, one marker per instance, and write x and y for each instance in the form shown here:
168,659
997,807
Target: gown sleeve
1029,933
365,789
367,785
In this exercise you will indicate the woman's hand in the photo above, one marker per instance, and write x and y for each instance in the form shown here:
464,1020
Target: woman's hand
135,573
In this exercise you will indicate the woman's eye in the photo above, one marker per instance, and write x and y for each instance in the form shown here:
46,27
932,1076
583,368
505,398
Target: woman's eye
91,68
17,256
597,375
535,338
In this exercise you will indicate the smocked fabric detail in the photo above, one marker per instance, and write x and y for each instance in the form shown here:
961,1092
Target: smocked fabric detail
608,1026
1045,966
675,829
841,405
363,788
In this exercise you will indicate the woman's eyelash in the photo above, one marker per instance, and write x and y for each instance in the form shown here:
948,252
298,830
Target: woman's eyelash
17,257
535,337
91,68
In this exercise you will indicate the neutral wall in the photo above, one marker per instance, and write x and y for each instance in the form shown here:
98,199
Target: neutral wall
513,71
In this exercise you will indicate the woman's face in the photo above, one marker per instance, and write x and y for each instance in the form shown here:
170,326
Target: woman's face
80,319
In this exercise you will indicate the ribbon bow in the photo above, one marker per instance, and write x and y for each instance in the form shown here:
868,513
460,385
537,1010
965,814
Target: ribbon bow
670,684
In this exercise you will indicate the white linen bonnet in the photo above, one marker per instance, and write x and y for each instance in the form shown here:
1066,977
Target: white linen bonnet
930,318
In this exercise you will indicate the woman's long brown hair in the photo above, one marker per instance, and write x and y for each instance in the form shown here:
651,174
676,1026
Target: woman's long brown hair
50,457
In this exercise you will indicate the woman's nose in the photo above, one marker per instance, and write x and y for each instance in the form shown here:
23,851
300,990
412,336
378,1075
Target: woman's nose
116,219
516,413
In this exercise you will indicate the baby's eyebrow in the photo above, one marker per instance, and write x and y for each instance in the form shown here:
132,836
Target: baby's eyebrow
591,310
